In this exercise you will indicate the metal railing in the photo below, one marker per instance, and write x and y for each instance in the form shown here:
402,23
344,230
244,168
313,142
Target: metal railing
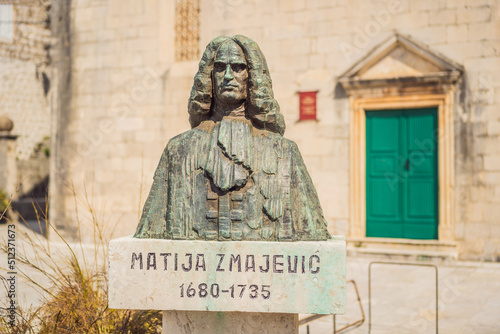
350,325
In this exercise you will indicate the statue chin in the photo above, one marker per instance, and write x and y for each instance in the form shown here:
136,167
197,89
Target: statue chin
230,98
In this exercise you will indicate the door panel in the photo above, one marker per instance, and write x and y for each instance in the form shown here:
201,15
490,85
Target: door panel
401,173
421,200
383,164
382,180
384,230
385,139
384,198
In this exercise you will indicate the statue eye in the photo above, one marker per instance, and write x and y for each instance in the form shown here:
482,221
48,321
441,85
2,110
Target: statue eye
219,67
238,67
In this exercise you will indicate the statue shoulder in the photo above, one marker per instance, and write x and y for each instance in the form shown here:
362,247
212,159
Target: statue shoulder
290,143
185,138
285,142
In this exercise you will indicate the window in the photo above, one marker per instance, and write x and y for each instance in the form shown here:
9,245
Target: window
187,29
6,23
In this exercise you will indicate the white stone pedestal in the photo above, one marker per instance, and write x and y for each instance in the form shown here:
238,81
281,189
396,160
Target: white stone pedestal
200,322
246,287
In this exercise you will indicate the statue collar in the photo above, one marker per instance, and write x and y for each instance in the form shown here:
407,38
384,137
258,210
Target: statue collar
219,114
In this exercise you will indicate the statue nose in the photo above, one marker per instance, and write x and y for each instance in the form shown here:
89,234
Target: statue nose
228,74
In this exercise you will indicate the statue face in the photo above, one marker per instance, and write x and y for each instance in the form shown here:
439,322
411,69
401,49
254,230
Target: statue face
230,74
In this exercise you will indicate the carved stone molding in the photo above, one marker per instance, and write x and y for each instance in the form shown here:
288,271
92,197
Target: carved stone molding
403,63
401,74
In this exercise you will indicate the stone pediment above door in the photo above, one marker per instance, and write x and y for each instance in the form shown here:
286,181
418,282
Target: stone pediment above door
401,62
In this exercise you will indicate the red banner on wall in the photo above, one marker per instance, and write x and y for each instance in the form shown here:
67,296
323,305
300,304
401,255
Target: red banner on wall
307,102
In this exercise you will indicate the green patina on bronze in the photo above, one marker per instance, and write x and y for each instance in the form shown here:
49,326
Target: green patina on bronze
232,176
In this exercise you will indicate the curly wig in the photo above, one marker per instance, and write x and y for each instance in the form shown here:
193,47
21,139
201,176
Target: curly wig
261,107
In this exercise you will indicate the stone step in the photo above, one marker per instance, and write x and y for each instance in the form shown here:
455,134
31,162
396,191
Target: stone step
403,249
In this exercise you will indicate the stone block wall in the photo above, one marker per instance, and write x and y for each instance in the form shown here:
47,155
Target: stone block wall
118,119
128,95
30,31
24,85
24,101
308,44
24,77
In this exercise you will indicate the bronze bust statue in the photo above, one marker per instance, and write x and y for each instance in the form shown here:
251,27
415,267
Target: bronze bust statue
232,176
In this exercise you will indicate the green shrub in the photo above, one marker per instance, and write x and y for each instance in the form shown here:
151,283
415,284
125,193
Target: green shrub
4,202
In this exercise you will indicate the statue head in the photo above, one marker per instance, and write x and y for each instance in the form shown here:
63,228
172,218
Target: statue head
231,71
230,75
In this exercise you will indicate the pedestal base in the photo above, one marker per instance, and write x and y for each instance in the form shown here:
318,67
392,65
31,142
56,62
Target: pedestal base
235,276
194,322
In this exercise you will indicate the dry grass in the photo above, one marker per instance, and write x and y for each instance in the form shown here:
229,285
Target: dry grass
75,298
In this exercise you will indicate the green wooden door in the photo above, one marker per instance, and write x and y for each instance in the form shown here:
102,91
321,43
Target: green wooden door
401,174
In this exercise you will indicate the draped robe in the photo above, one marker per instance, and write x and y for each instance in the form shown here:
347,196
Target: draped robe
228,180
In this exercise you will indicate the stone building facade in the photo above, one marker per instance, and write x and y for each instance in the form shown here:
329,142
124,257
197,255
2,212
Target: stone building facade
24,86
131,65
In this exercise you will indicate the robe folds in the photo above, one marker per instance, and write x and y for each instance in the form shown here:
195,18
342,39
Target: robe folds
228,180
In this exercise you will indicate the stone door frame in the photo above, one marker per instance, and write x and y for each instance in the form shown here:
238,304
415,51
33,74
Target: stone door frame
358,106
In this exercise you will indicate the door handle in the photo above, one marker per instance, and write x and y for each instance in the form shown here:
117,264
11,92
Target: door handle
407,164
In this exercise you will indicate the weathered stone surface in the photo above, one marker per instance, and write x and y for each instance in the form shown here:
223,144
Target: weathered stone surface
287,277
180,322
